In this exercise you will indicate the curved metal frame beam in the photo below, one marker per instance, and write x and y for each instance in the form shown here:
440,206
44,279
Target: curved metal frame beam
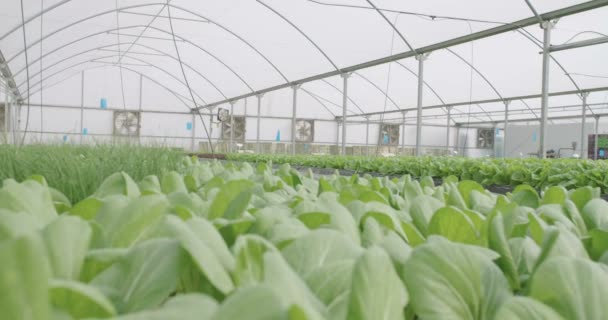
342,93
332,103
378,88
162,53
314,96
300,31
148,5
177,95
394,27
115,55
151,27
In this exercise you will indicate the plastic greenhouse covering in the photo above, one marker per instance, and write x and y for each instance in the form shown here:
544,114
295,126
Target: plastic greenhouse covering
130,54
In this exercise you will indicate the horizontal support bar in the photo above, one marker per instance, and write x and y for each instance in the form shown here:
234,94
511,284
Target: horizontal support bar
466,103
533,119
582,7
579,44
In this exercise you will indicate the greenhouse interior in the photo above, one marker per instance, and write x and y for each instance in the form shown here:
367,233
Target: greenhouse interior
303,159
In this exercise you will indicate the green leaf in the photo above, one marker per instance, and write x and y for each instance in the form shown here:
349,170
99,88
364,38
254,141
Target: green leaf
232,199
249,255
598,244
172,182
318,248
377,292
118,184
526,196
555,195
192,306
595,214
580,295
454,225
14,224
422,210
126,226
201,253
447,280
582,196
466,187
499,243
150,185
98,260
80,300
283,279
259,302
67,242
86,209
143,278
29,197
24,279
524,308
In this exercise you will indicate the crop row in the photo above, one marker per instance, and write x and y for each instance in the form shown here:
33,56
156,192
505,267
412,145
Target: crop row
235,241
569,173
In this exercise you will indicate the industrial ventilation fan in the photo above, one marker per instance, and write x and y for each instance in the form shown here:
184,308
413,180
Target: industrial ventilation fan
236,128
485,138
305,130
389,134
126,123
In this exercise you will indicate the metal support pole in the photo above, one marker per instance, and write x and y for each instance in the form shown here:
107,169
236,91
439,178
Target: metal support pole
210,137
258,119
344,107
458,139
420,58
193,128
81,106
403,132
337,136
597,129
447,136
293,119
141,85
505,130
547,26
584,96
367,136
231,147
6,113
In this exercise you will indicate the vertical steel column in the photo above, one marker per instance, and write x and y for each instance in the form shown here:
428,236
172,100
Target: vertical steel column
293,118
367,136
81,106
338,137
141,85
448,127
546,26
210,137
458,139
504,132
344,107
258,119
597,129
231,147
193,137
403,131
584,96
420,58
6,113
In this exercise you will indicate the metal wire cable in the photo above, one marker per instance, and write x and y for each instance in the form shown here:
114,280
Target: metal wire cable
27,71
585,32
179,58
388,82
122,85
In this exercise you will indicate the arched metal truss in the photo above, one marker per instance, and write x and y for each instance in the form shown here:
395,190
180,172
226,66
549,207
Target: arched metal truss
123,54
116,10
93,60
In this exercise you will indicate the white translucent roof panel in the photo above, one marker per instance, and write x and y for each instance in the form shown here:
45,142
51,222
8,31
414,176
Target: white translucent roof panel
232,48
